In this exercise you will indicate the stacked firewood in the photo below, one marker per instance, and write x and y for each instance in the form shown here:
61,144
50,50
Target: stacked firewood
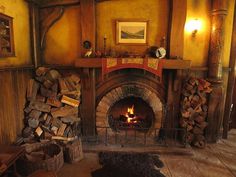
194,110
52,105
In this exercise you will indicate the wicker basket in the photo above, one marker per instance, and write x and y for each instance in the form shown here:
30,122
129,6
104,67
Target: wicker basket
51,164
73,152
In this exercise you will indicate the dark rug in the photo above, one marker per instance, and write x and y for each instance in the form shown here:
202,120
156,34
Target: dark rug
128,164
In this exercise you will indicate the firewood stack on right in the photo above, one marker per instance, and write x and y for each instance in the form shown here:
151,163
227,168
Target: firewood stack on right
194,110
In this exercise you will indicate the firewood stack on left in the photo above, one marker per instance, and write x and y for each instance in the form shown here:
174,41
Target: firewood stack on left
51,110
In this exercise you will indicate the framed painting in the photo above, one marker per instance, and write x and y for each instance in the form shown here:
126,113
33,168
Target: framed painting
131,32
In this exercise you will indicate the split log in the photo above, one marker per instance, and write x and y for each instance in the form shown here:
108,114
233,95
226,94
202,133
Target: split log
33,123
43,117
47,93
70,101
61,129
64,111
32,89
48,84
40,106
27,110
70,119
41,71
39,131
35,114
63,138
54,102
75,79
40,98
63,87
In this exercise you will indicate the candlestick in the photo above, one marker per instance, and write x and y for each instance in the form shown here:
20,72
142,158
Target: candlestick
104,45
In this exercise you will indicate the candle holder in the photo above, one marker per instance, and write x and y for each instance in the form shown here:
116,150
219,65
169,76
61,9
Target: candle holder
104,46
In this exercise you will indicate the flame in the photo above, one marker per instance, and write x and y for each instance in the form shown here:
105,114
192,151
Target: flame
129,112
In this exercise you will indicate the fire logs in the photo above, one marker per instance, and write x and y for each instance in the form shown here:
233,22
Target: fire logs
194,110
52,106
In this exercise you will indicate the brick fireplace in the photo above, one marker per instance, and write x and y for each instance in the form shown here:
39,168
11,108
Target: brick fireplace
100,93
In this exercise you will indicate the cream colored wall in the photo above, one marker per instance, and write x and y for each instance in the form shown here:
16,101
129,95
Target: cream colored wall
196,48
18,9
228,33
155,11
63,39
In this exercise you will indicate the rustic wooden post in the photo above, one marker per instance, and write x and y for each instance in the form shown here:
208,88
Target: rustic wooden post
88,26
219,12
34,33
88,102
87,9
178,10
231,80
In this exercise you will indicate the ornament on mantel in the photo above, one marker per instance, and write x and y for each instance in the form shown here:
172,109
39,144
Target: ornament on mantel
89,53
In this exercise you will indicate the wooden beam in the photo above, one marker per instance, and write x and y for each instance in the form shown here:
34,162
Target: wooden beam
34,34
179,12
231,80
87,23
167,64
87,107
54,3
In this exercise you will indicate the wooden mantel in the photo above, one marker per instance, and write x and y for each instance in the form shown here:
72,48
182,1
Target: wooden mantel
167,64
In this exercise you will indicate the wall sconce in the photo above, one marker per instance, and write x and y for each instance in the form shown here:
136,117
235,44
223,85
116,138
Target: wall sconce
193,26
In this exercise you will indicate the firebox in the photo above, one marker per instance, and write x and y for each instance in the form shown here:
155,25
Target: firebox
127,107
131,113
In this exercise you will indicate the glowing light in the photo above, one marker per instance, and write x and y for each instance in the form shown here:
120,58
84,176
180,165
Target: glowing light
130,111
193,26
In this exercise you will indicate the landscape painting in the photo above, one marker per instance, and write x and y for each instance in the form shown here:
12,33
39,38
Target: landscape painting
130,32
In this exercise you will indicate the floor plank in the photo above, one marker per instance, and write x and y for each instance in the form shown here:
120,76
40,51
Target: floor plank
209,164
181,166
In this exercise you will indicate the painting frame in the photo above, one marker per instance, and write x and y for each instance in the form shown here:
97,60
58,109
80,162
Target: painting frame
132,32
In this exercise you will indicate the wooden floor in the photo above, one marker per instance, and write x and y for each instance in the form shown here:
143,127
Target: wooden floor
216,160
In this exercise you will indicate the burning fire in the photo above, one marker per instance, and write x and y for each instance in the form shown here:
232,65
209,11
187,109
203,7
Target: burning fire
130,115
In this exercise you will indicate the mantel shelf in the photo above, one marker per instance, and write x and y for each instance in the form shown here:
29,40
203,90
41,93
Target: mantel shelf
167,63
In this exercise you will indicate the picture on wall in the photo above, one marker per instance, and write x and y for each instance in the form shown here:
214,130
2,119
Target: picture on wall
131,32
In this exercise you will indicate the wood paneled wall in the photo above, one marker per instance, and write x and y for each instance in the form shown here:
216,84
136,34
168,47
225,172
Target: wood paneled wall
13,84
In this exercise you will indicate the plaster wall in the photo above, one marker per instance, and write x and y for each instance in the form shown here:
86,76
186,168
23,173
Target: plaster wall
18,9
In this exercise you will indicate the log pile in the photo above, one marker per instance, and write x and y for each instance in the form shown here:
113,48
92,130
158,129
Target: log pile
128,164
51,110
194,110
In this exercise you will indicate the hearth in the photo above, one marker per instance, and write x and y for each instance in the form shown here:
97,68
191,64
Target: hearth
130,113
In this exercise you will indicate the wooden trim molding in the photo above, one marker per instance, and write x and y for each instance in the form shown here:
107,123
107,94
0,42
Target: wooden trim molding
11,68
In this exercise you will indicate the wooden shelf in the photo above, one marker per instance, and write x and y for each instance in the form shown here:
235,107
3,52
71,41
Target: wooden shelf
167,63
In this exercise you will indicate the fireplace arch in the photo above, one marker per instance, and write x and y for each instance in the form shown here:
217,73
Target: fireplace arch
125,91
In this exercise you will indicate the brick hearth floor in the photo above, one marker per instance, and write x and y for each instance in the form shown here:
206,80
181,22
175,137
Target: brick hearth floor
216,160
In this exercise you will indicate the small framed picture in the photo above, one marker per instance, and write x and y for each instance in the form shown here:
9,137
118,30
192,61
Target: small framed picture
131,32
